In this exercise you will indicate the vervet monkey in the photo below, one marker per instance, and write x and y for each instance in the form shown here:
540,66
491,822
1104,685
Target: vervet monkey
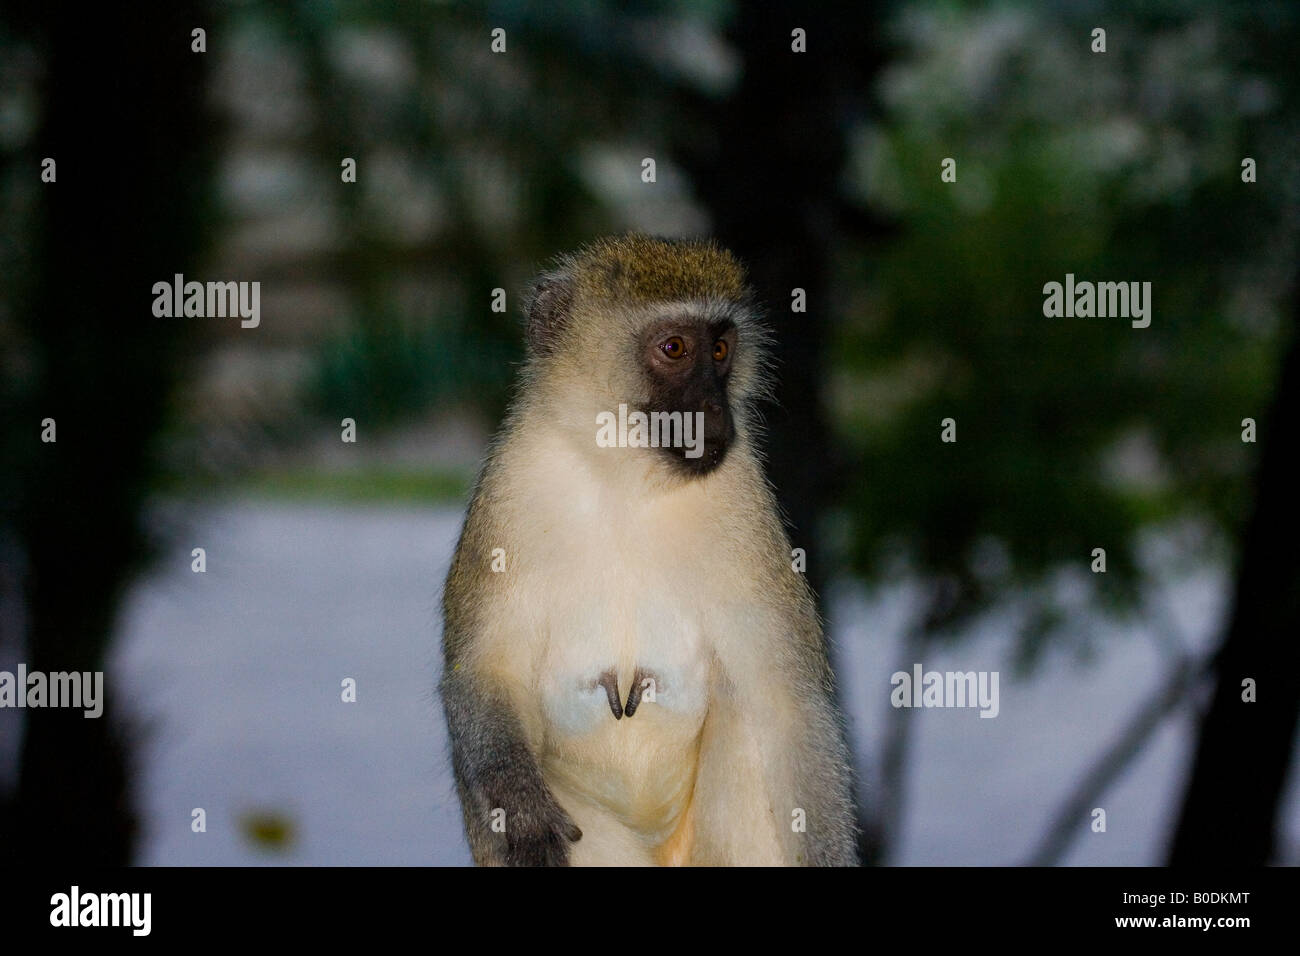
634,672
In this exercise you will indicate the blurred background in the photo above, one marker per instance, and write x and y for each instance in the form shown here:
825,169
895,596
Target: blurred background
810,140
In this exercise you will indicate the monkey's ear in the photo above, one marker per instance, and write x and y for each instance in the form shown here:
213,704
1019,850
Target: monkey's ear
547,308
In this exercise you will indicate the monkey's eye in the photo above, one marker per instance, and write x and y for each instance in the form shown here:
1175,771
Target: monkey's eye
720,350
674,347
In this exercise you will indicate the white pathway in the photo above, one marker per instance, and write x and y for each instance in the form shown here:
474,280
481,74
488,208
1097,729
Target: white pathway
234,676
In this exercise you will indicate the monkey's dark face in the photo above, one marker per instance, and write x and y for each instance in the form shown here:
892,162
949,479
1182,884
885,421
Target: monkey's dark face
687,362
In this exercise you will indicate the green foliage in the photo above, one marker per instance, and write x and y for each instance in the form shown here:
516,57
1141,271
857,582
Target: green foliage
365,486
387,369
1072,433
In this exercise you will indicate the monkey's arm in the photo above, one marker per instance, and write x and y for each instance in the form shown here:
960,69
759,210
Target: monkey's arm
773,752
499,780
511,816
822,772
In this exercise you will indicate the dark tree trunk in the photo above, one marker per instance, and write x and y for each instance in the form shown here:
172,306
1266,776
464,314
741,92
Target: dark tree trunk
122,114
1230,808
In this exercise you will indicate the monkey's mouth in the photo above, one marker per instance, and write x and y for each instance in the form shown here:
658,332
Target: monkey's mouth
702,443
710,456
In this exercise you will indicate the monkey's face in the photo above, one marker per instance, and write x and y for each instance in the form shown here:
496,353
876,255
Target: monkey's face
663,331
686,362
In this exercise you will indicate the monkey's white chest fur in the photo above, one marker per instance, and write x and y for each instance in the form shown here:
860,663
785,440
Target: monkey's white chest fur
621,645
621,638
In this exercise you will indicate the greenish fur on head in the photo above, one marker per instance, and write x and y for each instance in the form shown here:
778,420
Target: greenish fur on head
586,317
637,268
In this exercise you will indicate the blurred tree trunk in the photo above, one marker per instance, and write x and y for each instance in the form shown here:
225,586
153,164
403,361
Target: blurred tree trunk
122,114
1230,808
767,162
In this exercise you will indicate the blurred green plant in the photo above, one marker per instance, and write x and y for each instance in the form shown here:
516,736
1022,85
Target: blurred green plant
1072,433
387,487
389,368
